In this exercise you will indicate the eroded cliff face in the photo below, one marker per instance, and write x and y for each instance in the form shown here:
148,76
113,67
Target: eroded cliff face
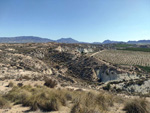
106,74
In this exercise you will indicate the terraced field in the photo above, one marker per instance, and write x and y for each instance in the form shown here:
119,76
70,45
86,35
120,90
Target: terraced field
125,57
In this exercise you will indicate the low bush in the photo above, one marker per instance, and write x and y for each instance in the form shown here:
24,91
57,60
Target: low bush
20,84
50,83
107,87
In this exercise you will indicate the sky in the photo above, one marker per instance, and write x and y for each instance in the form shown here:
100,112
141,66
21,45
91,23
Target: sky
83,20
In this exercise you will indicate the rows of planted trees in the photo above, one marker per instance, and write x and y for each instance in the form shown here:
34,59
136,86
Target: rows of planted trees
125,57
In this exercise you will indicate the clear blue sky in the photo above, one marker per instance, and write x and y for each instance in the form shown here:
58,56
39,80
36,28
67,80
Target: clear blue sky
83,20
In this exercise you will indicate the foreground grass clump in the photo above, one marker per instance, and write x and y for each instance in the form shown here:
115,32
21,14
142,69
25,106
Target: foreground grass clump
42,98
137,106
4,103
48,99
90,102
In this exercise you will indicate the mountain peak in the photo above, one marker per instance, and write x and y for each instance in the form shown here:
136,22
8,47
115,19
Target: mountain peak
109,41
67,40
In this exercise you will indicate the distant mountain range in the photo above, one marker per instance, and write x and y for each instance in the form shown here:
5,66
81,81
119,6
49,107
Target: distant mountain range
139,42
34,39
129,42
24,39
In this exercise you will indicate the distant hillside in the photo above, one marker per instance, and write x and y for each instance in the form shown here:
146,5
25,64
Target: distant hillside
129,42
24,39
67,40
139,42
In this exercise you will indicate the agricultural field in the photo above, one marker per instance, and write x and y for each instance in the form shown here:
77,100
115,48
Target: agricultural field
125,57
136,49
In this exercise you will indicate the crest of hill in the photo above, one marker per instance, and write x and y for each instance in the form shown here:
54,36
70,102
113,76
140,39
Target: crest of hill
67,40
110,42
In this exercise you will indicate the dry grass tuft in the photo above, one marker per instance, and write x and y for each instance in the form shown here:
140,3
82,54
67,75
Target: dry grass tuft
4,103
90,102
137,106
11,84
42,98
50,99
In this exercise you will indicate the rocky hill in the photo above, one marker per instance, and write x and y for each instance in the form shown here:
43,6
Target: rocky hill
74,63
37,70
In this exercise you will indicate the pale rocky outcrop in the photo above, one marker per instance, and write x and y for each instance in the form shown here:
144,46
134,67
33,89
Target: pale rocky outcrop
59,48
109,75
84,50
143,89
